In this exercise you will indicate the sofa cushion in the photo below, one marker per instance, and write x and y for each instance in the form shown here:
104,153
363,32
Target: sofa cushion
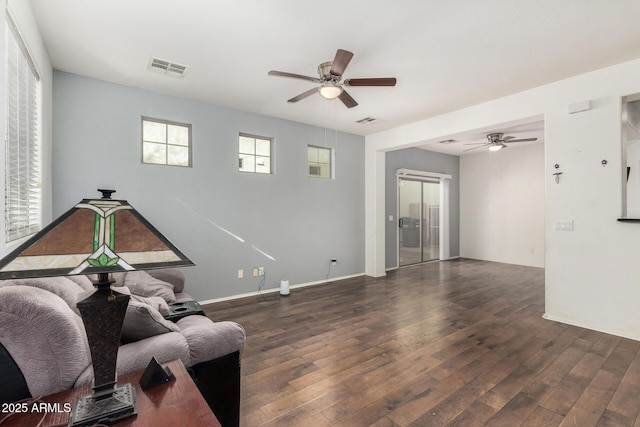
83,281
209,340
142,321
44,336
143,284
66,289
155,302
173,276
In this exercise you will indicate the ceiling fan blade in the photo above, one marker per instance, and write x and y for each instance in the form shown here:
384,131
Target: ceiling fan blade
479,146
347,99
476,143
376,81
507,138
303,95
340,62
294,76
522,140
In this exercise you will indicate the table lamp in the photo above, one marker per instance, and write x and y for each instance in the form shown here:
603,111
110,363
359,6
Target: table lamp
97,236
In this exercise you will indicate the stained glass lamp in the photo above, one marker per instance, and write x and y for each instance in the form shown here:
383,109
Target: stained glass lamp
98,236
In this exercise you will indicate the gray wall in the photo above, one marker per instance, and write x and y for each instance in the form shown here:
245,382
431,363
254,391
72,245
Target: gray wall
300,222
422,160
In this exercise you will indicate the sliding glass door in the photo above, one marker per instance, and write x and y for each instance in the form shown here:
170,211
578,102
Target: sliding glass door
419,221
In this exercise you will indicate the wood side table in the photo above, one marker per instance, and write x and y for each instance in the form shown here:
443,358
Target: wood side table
176,403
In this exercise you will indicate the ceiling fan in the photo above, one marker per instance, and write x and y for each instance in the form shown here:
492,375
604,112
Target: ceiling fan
497,142
330,74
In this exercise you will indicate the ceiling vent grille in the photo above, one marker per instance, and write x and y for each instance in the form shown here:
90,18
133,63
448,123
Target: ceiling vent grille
367,121
167,67
447,141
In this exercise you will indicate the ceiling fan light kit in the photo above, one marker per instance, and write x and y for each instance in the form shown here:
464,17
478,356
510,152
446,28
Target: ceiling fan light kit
330,91
330,76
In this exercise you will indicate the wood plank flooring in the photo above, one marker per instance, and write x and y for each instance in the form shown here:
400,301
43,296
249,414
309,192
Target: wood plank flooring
456,343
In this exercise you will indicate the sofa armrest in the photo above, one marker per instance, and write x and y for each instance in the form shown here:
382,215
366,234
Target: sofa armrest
137,355
183,296
44,337
164,347
209,340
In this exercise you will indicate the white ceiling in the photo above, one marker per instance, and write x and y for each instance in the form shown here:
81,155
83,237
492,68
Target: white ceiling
445,54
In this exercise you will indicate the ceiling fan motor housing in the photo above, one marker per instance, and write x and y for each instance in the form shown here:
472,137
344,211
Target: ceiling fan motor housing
324,71
331,87
495,137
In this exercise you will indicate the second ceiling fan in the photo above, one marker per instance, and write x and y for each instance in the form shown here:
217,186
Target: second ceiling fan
329,78
497,142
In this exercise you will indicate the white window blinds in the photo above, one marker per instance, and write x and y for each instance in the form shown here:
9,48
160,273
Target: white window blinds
22,180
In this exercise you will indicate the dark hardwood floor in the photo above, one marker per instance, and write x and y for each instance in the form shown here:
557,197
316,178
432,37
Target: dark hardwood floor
456,343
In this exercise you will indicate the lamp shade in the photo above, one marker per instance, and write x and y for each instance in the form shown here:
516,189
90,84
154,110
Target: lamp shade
95,236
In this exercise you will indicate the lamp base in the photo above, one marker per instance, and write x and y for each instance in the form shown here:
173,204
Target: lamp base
88,410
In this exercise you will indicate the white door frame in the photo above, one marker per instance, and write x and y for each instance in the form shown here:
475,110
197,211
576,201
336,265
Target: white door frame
444,181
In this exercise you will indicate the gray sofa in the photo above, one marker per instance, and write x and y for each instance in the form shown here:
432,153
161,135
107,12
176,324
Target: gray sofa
44,348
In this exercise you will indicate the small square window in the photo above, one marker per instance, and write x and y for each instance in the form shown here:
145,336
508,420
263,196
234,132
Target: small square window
166,143
254,154
319,164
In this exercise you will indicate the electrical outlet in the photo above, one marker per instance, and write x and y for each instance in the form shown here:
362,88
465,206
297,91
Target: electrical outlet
334,261
260,271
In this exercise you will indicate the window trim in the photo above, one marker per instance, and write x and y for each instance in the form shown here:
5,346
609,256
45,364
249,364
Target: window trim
167,144
332,160
271,156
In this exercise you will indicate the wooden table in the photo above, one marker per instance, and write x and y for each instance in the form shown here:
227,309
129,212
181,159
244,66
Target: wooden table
177,403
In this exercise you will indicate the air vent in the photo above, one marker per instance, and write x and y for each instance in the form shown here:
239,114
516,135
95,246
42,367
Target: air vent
166,67
367,121
447,141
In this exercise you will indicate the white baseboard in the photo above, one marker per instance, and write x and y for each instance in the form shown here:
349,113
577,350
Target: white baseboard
411,265
272,290
587,325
